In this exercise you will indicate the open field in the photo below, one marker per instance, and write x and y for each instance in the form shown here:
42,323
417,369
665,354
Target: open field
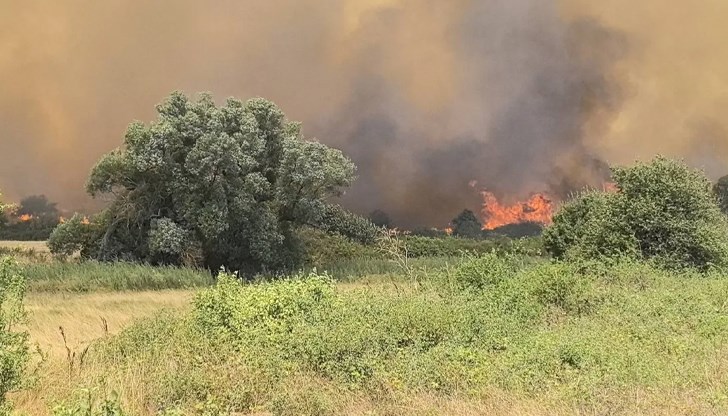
39,246
86,317
480,337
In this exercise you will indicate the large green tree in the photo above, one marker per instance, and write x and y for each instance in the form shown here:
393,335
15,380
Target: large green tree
221,185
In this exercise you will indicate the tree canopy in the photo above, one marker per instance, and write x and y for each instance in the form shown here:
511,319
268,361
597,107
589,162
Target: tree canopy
467,225
218,185
661,210
38,206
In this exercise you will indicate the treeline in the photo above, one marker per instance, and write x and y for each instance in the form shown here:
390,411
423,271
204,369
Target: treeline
33,219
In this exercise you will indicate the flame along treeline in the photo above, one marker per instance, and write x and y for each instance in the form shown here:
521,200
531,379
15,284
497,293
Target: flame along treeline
538,208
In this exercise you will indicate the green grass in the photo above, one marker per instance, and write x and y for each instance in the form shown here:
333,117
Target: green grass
356,268
545,338
94,276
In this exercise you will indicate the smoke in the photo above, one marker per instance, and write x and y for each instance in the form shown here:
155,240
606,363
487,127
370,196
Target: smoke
425,95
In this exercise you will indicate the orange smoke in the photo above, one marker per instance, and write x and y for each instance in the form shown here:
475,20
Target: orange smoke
538,208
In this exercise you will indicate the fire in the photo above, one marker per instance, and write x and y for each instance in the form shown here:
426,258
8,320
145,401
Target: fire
25,218
610,187
538,208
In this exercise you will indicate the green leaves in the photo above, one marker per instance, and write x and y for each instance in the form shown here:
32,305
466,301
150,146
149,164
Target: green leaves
13,342
236,181
662,210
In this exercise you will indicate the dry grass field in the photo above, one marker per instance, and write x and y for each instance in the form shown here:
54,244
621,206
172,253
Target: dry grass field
39,246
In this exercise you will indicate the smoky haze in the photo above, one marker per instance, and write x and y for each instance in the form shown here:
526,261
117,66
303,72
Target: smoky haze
426,96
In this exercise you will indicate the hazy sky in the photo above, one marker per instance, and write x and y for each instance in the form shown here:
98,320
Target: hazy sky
424,95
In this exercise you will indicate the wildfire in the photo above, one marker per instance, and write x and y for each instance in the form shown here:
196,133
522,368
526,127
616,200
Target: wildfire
25,218
84,220
538,208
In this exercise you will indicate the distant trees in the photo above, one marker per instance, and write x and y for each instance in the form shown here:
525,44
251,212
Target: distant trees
38,206
467,225
33,219
219,186
661,210
380,218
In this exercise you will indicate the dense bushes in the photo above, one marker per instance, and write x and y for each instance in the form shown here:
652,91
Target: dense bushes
13,341
661,210
569,330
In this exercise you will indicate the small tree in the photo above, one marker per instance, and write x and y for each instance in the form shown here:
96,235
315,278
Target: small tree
662,210
467,225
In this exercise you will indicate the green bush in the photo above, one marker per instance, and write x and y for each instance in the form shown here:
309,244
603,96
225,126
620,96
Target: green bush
662,210
479,272
14,353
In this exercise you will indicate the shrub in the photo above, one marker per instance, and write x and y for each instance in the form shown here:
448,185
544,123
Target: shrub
72,236
661,210
479,272
13,342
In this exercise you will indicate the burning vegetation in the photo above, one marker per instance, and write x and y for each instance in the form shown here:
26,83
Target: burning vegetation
539,208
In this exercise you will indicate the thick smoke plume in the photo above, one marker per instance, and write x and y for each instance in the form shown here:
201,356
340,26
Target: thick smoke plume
425,95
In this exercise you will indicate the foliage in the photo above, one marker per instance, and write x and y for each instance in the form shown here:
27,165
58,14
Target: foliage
661,210
337,220
477,272
43,217
720,189
585,334
380,218
14,352
519,230
230,185
92,276
40,208
88,405
467,225
26,231
428,232
74,235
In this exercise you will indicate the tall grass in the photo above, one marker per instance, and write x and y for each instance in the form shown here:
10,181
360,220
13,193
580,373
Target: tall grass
553,338
95,276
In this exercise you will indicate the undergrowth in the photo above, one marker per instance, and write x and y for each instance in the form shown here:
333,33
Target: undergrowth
587,335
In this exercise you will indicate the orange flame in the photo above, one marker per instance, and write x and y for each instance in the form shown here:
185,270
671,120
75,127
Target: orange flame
538,208
25,218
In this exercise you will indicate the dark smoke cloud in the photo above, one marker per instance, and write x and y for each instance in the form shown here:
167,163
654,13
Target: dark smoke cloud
532,86
425,95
